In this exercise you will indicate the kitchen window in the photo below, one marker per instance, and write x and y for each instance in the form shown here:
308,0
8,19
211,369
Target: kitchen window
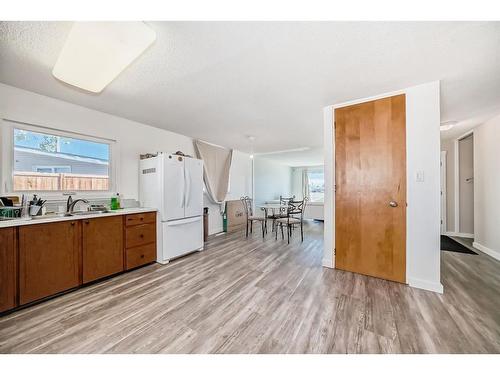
53,161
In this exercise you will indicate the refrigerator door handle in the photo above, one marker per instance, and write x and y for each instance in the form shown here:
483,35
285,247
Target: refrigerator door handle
183,187
188,187
182,222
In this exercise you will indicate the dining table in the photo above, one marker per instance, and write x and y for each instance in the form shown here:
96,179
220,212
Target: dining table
273,207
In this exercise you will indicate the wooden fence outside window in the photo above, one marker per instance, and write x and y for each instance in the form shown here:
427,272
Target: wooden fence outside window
59,181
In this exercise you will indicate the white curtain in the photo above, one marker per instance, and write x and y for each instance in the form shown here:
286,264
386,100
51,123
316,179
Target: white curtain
217,163
305,183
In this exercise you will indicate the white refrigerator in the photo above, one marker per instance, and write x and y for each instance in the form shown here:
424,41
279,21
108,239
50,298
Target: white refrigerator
173,185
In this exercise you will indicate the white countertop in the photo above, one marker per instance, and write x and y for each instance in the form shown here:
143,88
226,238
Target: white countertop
56,218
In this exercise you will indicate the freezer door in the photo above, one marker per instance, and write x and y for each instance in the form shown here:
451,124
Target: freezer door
194,187
182,236
174,192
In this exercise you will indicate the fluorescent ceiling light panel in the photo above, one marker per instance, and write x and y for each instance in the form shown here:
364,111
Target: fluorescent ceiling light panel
300,149
96,52
447,125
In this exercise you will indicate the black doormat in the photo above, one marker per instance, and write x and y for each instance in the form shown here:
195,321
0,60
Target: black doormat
449,244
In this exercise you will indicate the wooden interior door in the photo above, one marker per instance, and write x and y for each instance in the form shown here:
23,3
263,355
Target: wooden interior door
370,188
102,247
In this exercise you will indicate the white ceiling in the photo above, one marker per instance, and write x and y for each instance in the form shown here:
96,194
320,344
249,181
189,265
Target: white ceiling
466,125
223,81
296,158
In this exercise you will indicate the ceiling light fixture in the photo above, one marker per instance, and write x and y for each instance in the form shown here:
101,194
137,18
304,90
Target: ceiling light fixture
447,125
251,139
95,53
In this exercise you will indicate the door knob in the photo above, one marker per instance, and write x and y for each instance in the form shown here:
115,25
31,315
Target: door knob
393,204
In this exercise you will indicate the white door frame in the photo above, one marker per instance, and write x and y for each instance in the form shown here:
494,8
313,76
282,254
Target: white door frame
443,193
329,173
423,228
457,185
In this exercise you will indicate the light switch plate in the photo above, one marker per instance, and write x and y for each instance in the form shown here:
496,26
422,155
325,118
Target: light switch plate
420,176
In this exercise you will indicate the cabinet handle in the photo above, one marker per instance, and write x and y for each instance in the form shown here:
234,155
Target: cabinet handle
142,218
72,223
142,256
142,236
86,221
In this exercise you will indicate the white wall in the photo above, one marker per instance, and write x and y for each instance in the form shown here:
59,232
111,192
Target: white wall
423,199
132,139
487,187
272,179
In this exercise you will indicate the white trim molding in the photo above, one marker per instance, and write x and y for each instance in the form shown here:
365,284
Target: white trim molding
423,197
457,177
426,285
444,208
327,263
458,234
491,252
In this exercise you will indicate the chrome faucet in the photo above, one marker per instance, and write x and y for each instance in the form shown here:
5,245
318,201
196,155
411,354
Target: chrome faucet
70,205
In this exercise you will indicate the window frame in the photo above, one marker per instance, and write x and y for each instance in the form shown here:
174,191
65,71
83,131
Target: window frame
314,169
7,165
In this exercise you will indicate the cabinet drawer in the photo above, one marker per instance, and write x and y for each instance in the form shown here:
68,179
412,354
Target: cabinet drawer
145,218
137,256
140,235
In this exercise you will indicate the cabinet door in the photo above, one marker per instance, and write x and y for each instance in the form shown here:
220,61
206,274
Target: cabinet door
7,269
48,259
102,247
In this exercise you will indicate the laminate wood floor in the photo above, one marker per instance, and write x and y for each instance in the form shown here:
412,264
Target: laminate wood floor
264,296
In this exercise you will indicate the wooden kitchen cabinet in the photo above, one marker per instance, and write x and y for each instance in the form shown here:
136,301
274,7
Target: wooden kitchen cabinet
140,255
8,269
102,247
140,239
49,259
43,260
142,218
140,235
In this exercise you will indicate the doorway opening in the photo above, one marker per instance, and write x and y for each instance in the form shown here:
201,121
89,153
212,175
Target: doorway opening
464,186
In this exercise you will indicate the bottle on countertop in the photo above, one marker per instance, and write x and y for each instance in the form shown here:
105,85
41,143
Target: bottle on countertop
116,202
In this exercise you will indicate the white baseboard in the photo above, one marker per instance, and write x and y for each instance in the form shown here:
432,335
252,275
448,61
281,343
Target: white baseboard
426,285
215,230
458,234
491,252
327,263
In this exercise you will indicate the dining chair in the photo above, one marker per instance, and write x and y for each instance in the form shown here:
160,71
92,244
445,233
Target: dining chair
248,206
281,211
294,209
